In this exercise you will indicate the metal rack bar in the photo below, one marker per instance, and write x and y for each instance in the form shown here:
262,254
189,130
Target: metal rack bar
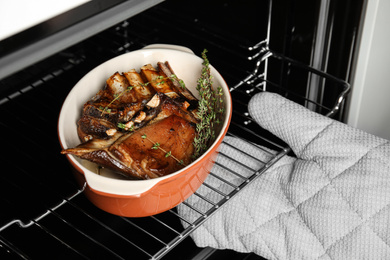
243,127
192,225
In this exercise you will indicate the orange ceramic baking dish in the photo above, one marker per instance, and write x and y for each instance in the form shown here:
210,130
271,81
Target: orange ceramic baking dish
138,198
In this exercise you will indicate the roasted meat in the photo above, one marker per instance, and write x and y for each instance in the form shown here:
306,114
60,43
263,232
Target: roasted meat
162,146
158,81
119,101
155,150
167,72
139,125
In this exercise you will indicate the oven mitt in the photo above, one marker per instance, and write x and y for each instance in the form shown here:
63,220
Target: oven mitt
331,202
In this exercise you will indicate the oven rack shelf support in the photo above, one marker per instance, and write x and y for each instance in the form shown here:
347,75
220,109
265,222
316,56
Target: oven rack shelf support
255,82
244,128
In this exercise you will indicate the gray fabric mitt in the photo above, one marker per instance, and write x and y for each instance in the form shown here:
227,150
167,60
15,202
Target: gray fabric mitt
331,202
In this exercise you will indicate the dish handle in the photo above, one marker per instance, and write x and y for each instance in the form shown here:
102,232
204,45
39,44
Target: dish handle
117,187
168,46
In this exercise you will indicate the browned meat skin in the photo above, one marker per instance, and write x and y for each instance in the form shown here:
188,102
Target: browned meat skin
131,154
150,74
118,88
173,134
169,106
92,145
144,91
90,127
142,103
166,71
117,102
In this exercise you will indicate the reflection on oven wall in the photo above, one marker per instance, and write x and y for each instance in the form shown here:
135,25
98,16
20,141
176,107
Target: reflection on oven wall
369,106
347,39
320,33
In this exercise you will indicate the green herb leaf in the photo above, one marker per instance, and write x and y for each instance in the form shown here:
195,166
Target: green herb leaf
155,146
121,125
210,109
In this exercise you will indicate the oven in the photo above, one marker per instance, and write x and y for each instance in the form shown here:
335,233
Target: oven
303,50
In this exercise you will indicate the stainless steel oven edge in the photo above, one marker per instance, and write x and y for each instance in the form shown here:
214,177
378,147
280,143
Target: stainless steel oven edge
43,48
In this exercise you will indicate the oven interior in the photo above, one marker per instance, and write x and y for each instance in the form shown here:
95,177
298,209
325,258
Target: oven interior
44,213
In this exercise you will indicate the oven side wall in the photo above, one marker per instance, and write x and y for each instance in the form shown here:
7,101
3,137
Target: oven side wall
369,104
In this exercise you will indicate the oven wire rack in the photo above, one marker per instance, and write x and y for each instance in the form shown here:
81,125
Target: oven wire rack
241,123
267,74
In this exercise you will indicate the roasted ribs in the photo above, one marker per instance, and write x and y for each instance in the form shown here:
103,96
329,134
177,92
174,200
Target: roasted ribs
140,124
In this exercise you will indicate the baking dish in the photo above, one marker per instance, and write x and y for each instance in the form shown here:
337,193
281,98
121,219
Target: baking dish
138,198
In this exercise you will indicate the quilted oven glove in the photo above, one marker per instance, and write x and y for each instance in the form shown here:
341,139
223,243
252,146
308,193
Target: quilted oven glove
331,202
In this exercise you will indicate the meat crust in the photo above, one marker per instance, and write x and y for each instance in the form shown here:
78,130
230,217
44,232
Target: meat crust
158,134
153,151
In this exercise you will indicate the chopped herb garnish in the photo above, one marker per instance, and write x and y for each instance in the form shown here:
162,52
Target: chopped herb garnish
126,127
156,146
121,125
182,84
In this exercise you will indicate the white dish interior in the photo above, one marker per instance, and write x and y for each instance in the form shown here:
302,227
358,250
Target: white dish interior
186,66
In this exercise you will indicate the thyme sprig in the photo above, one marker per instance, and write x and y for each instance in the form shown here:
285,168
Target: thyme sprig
156,146
210,109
